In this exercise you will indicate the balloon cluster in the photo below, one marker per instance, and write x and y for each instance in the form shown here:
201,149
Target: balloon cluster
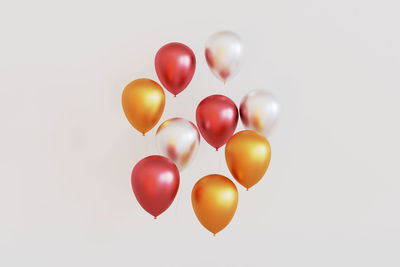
155,179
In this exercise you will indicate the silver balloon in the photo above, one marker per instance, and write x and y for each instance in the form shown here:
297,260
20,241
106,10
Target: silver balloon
224,54
178,139
259,111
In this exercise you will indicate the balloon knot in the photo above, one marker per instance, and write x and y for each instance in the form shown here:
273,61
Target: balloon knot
213,234
155,217
142,134
174,95
247,189
216,149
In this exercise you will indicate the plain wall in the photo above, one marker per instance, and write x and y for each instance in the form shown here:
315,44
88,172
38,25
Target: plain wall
330,197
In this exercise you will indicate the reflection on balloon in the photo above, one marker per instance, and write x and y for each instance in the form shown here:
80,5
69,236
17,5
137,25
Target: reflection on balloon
247,155
175,65
178,139
224,54
155,182
217,117
259,111
143,101
214,201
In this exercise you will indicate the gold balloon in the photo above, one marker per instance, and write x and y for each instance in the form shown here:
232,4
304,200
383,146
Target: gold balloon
247,155
214,201
143,101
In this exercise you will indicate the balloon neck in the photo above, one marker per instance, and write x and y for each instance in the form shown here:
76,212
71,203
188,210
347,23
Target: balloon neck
155,217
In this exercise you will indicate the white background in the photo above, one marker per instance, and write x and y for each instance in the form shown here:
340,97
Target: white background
330,198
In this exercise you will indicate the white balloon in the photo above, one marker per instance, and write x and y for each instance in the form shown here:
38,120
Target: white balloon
259,111
224,54
178,139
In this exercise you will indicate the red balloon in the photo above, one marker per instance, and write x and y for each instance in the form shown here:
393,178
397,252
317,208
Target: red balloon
216,118
155,182
175,65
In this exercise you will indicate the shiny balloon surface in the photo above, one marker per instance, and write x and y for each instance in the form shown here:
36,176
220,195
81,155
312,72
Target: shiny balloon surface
214,201
178,139
143,101
247,155
175,65
259,111
224,54
155,182
216,118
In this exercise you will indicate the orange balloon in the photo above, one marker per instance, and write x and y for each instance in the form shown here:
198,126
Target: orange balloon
214,201
247,155
143,101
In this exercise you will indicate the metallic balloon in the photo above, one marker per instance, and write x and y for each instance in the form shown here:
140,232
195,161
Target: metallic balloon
155,182
214,201
259,111
175,65
247,155
216,117
224,54
143,101
178,139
